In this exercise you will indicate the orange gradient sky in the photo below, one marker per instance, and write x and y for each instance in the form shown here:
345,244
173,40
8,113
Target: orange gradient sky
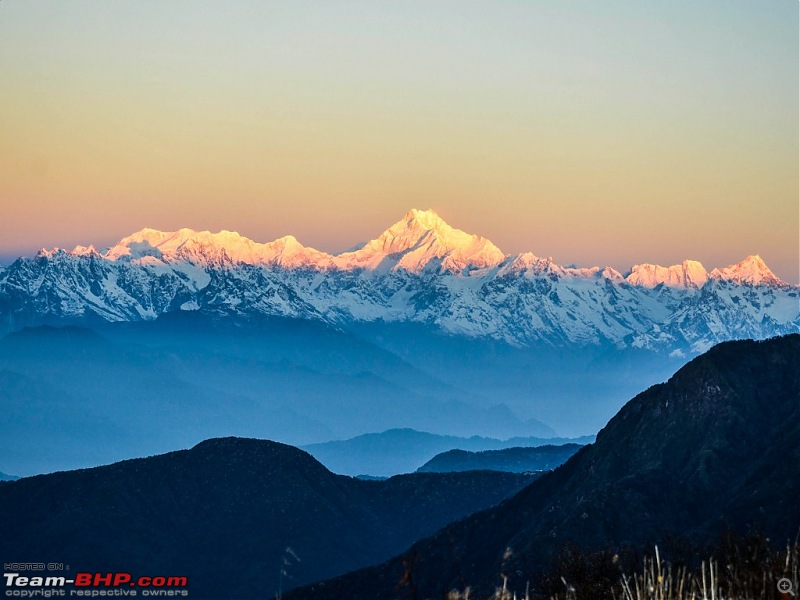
596,133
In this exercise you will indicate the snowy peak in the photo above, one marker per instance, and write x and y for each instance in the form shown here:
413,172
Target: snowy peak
751,271
422,240
423,219
290,253
164,244
612,274
534,266
205,248
688,274
89,250
525,262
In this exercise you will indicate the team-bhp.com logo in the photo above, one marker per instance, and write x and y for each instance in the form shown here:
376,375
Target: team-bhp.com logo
94,585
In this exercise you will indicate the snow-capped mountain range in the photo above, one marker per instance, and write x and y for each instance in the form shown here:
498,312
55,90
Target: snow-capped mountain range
418,270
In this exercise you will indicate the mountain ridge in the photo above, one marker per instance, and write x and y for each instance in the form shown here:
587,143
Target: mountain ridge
419,270
416,228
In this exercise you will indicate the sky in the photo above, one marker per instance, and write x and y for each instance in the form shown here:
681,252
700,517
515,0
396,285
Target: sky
596,133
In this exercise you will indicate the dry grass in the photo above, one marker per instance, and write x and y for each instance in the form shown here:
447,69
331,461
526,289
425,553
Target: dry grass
738,569
714,581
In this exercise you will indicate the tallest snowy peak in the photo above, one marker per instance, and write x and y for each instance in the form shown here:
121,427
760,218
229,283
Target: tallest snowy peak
426,219
422,240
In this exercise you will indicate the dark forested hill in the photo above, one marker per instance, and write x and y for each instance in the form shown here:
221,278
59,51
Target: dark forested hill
224,513
513,460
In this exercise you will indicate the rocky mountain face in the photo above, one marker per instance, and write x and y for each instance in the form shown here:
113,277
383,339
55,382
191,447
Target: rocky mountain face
420,270
714,449
240,518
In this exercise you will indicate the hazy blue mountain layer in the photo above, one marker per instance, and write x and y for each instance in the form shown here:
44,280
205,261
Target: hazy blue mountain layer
405,450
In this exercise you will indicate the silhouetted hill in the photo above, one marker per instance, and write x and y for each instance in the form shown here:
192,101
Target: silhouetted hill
513,460
715,448
403,450
224,512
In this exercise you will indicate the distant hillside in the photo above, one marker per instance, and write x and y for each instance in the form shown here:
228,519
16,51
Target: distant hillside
224,513
404,450
513,460
6,477
716,448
